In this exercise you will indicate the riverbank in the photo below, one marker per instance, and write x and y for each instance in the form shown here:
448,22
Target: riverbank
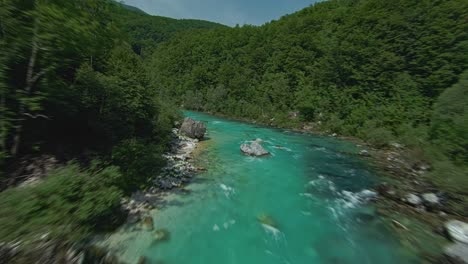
414,208
179,171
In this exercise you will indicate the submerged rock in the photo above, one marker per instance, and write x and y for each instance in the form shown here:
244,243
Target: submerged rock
147,223
142,260
254,149
265,219
193,129
162,235
457,230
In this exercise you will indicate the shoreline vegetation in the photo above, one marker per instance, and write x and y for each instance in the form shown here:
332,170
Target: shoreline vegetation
89,89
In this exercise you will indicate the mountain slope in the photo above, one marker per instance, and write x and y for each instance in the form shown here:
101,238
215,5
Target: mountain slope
147,31
366,68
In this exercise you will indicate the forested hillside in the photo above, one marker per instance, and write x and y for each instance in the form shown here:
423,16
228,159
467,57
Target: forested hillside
72,90
145,32
97,86
372,69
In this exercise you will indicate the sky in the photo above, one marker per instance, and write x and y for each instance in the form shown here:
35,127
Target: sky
227,12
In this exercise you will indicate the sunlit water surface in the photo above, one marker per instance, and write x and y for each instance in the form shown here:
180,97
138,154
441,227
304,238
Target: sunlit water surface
303,204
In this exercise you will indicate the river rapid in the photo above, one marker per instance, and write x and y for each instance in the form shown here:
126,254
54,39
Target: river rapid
308,202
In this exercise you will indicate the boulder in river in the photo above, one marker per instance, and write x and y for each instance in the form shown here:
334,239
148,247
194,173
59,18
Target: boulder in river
458,231
254,149
265,219
193,129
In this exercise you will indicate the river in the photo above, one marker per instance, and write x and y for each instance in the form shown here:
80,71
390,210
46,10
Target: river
305,203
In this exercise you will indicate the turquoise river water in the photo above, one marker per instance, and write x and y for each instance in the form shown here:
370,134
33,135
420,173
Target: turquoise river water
306,203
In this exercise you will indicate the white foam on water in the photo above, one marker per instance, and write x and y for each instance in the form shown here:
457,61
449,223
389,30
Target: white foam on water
306,213
349,200
216,228
217,122
282,148
228,191
308,195
274,232
322,149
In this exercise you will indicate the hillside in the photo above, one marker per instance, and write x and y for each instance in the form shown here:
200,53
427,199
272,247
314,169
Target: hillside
369,68
90,92
146,31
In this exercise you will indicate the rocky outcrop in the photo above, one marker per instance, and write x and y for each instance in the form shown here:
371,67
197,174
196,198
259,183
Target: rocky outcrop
254,149
193,129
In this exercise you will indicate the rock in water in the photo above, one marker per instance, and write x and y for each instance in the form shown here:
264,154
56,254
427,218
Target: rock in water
458,231
161,235
265,219
147,223
254,149
193,129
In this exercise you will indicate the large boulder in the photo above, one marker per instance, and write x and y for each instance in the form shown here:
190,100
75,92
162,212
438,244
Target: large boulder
254,149
458,231
192,128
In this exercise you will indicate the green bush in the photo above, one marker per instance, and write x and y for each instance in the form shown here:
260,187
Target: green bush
138,160
449,130
69,204
379,137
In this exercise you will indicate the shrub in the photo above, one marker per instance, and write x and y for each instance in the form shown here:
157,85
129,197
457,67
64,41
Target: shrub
69,203
379,137
139,160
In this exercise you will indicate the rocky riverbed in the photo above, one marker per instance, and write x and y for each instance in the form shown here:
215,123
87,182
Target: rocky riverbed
179,171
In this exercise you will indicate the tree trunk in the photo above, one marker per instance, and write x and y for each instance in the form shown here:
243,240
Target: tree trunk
31,78
3,126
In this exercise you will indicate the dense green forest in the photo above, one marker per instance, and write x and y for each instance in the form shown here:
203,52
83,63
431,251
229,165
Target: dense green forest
382,71
73,85
97,85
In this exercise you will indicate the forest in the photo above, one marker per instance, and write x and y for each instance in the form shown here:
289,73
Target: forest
380,71
99,86
74,86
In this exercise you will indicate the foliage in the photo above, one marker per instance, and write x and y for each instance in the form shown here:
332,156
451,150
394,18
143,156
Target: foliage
348,61
449,130
373,69
138,161
71,86
72,202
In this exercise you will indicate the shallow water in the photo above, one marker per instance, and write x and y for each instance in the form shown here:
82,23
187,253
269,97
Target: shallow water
303,204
